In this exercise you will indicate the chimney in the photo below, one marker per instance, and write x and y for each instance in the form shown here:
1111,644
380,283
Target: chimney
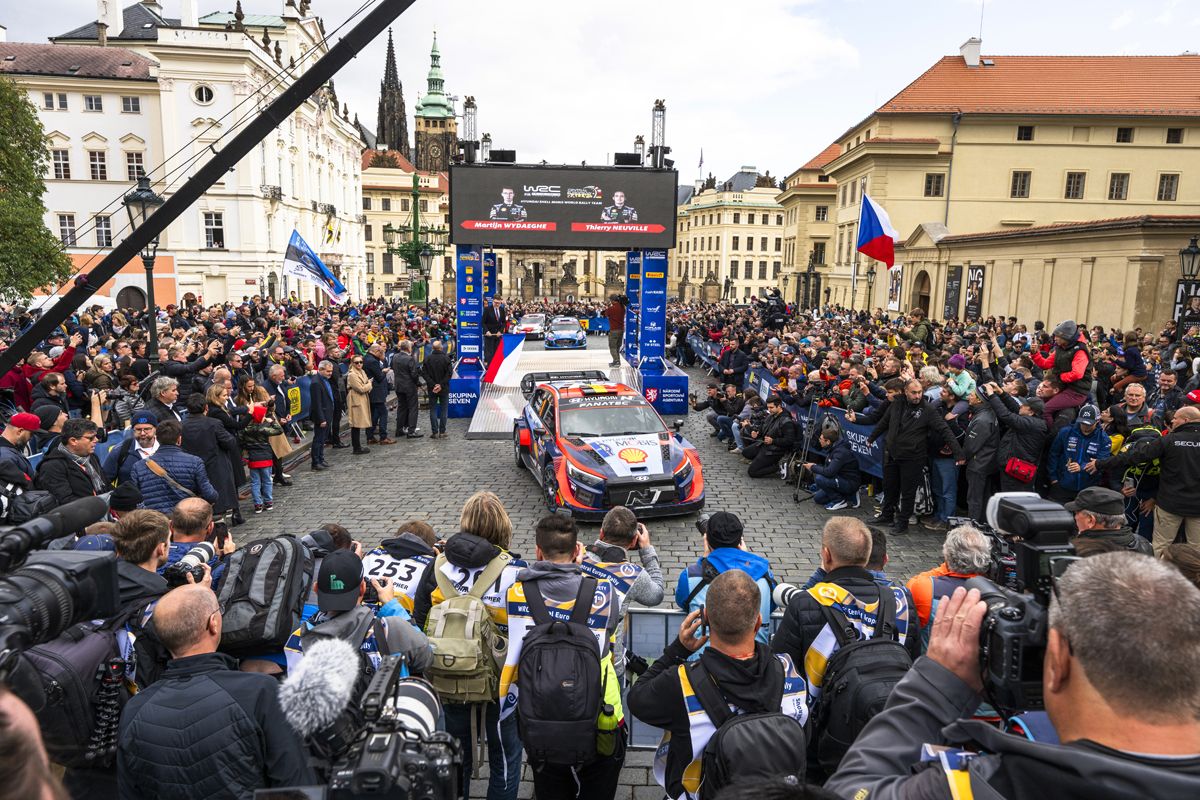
3,34
970,51
108,14
189,16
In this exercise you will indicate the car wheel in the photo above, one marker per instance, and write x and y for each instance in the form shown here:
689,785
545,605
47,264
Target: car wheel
517,446
550,486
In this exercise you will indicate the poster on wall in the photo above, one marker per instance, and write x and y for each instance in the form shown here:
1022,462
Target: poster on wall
1187,307
974,307
953,291
895,282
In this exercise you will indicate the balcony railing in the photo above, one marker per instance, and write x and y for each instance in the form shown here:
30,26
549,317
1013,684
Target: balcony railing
271,192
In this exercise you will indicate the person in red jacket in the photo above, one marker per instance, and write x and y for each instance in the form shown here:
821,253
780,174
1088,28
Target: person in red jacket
1070,361
22,378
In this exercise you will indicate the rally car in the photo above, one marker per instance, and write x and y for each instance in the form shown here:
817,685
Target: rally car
565,333
593,444
532,325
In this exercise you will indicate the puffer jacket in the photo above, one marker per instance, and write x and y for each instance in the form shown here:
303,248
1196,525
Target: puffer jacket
1072,444
840,462
187,470
232,740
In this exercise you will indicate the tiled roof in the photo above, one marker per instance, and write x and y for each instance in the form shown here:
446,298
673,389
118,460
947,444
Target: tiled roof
824,157
368,158
1143,220
140,23
1120,85
73,60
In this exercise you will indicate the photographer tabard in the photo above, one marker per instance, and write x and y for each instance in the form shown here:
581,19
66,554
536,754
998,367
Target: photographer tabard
1124,707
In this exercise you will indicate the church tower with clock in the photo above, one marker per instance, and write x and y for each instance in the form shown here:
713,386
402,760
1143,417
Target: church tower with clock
436,124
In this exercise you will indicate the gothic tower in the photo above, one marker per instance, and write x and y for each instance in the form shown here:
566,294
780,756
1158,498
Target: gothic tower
436,125
392,126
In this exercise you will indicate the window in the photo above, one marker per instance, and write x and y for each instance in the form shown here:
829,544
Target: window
1124,135
62,164
822,213
841,243
762,243
1024,133
733,268
1020,183
1174,135
737,218
370,263
48,101
424,205
736,240
134,166
1168,187
62,101
214,230
66,228
935,184
98,164
762,270
1118,186
822,179
775,267
778,244
779,219
367,233
103,230
388,268
203,94
749,270
404,204
749,219
131,105
93,102
749,242
818,252
366,204
370,290
1074,187
842,192
387,289
386,204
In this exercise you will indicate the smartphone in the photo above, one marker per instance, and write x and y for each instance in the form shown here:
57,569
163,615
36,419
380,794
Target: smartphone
702,631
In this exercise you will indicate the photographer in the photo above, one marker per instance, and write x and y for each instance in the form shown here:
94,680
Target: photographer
1124,706
191,523
1023,439
615,313
838,480
775,441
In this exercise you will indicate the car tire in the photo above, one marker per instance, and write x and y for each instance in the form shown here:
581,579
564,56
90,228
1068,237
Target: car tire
550,486
517,447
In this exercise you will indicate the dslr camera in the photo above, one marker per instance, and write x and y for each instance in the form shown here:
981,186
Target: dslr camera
1032,548
192,563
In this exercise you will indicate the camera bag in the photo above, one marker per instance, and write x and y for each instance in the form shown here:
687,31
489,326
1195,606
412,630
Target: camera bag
262,594
859,678
561,683
467,646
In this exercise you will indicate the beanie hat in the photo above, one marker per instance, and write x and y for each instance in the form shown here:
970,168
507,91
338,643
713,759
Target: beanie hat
258,413
1067,329
957,361
126,497
26,421
724,530
144,418
47,416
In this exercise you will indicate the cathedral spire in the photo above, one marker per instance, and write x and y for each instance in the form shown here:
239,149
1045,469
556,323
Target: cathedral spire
392,120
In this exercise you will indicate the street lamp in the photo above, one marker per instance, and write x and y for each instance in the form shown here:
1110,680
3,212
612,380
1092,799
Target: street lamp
870,286
1189,260
140,204
810,299
417,241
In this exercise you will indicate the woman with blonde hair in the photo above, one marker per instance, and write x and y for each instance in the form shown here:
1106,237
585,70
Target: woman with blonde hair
358,403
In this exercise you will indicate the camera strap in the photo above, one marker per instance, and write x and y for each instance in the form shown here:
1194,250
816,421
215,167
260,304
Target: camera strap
158,470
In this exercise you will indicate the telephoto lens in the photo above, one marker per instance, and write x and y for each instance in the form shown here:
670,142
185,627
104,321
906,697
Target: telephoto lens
192,563
783,594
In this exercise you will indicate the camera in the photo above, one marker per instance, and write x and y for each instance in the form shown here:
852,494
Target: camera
1032,548
192,563
702,524
783,593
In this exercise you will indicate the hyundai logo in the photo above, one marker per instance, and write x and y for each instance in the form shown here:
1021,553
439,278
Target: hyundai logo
641,477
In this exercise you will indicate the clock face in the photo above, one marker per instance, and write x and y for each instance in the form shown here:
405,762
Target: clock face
435,150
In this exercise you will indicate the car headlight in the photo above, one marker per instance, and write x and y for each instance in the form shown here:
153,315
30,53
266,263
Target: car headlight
585,478
683,472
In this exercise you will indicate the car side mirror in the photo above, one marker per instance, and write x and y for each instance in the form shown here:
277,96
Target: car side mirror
677,425
537,428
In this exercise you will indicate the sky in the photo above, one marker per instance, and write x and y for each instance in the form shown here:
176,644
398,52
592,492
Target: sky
760,83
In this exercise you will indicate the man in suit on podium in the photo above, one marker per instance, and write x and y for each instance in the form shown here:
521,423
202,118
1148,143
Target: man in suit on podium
495,324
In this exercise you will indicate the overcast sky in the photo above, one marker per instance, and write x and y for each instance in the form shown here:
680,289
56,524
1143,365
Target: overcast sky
765,83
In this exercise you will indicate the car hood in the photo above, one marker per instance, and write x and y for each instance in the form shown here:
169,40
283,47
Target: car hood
625,456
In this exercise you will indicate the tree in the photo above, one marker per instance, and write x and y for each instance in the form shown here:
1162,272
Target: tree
31,257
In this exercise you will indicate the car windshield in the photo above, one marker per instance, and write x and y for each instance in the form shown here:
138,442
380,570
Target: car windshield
610,421
533,319
565,327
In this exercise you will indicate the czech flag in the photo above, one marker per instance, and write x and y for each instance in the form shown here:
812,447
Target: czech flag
876,236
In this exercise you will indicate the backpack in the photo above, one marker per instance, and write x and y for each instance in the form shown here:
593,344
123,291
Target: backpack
859,677
768,744
467,646
560,677
923,504
19,505
262,594
78,685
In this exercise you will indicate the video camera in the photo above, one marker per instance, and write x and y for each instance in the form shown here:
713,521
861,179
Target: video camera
1032,547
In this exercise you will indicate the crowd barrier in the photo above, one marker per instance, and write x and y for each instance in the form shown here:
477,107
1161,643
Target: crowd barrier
595,324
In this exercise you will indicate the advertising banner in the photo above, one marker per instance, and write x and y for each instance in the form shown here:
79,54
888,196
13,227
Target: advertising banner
974,306
464,395
652,341
895,286
633,289
667,391
470,308
489,274
953,291
1187,307
571,208
870,456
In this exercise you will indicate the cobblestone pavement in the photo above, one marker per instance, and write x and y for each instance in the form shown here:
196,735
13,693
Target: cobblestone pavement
372,494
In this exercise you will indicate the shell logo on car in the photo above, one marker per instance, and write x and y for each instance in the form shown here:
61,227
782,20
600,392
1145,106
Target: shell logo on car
632,455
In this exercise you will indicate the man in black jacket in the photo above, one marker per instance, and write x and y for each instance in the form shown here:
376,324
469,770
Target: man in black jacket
373,366
774,441
980,449
838,480
732,364
1023,438
164,394
210,441
71,470
321,412
907,425
178,367
407,376
437,371
204,730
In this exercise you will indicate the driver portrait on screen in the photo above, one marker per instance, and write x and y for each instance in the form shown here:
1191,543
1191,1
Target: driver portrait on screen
618,211
508,210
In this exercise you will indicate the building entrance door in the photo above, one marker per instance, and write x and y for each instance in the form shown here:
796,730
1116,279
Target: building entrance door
921,292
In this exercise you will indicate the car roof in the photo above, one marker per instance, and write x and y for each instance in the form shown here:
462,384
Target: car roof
564,319
571,390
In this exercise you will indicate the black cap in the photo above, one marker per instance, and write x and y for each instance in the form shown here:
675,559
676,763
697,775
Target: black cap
724,530
1098,500
338,581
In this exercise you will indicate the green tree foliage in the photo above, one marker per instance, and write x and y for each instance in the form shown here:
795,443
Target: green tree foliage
30,255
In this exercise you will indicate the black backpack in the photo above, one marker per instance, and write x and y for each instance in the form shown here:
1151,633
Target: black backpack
262,594
561,691
767,744
859,678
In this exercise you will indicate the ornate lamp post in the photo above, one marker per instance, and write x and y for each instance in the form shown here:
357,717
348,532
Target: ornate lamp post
1189,260
140,204
810,299
870,286
423,240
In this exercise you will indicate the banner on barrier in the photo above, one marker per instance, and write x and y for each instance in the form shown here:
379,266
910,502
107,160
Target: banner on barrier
870,456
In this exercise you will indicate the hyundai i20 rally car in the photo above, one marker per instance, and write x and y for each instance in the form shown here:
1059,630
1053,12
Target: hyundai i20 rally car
593,444
565,333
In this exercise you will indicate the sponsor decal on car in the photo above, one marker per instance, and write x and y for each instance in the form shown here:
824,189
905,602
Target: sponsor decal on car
632,455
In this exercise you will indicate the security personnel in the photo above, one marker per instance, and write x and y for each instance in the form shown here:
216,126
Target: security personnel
508,210
618,211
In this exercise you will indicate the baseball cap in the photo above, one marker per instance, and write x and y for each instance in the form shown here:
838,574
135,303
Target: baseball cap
338,581
1035,403
25,421
1089,415
1098,500
1194,396
724,530
56,351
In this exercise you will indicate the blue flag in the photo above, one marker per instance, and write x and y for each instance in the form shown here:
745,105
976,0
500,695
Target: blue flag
303,263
